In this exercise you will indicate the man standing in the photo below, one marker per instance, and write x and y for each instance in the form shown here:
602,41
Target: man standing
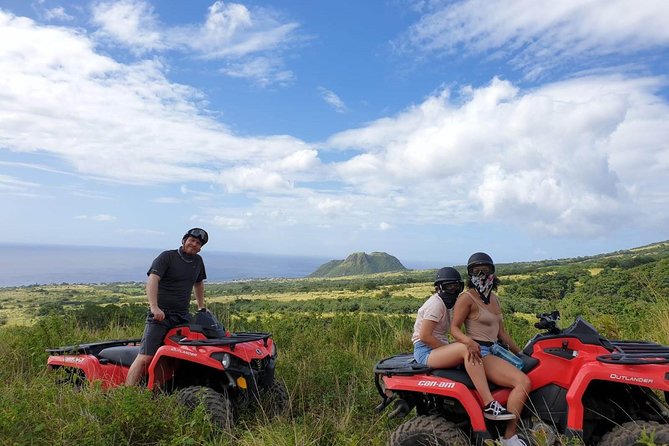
173,276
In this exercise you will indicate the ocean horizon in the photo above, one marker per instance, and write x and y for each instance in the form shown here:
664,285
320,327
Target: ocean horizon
25,265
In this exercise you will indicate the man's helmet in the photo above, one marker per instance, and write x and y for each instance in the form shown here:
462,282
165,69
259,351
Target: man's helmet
447,274
199,234
479,258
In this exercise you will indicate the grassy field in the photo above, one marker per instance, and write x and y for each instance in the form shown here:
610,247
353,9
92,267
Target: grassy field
330,333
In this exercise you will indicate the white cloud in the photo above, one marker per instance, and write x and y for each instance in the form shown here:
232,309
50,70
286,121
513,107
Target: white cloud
579,157
98,217
57,13
167,200
230,223
231,29
249,41
130,22
125,123
13,184
264,71
536,35
330,206
384,226
332,99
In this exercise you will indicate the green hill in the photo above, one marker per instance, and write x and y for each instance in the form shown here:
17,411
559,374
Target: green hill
359,263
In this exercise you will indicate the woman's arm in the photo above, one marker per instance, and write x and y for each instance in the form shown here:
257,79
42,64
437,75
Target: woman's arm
426,334
460,312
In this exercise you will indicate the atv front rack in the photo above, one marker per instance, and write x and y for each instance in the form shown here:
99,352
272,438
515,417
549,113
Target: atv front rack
232,340
92,348
636,352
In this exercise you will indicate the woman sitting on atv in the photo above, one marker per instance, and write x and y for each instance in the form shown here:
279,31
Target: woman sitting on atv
431,346
479,310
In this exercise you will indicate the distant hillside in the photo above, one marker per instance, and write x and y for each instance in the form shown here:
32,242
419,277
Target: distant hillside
359,263
626,258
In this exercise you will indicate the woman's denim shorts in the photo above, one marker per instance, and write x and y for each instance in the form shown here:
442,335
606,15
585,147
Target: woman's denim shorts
421,352
485,351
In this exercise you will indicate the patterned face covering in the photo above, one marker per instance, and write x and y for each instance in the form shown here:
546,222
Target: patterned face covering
483,284
449,291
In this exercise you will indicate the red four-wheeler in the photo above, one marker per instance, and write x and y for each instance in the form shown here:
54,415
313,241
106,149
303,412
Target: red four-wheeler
200,362
583,385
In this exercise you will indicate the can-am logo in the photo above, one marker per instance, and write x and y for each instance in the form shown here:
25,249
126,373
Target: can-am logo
632,379
439,384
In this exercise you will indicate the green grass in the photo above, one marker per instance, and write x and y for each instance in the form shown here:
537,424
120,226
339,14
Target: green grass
330,333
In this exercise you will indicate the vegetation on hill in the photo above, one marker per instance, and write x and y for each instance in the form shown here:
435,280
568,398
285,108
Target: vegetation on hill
359,263
330,333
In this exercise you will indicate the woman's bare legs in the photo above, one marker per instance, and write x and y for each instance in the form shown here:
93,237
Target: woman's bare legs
451,355
504,374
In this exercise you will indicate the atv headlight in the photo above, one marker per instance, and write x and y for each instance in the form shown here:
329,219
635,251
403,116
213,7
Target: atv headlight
225,360
275,352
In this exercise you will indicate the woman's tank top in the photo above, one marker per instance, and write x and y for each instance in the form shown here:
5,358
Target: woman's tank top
486,325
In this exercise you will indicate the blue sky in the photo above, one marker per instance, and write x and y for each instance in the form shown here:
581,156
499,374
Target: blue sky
428,129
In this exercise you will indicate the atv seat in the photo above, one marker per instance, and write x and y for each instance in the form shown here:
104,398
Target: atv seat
123,355
459,375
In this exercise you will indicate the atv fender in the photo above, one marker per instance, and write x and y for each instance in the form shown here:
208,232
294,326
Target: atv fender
651,375
162,365
443,387
108,375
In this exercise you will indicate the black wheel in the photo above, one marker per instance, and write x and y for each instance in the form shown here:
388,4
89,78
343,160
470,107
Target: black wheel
637,433
216,405
430,430
275,399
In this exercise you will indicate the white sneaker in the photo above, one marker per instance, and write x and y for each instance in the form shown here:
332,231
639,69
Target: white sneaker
513,441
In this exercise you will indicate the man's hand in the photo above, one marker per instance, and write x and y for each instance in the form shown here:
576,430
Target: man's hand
158,314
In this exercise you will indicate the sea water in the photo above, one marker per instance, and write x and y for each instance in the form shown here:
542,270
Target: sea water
49,264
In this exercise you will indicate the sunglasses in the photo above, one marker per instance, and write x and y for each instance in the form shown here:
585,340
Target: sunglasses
451,286
198,233
481,269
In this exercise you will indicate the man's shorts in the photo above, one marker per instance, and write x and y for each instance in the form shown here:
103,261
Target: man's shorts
155,331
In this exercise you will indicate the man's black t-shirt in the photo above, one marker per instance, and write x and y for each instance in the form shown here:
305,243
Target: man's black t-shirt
178,273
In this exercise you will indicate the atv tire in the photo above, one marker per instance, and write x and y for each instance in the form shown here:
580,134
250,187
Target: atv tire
275,400
430,430
216,405
630,433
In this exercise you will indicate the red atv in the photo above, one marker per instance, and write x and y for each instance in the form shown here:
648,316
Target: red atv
583,385
200,362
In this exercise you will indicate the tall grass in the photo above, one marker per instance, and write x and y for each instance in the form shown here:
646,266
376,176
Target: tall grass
325,361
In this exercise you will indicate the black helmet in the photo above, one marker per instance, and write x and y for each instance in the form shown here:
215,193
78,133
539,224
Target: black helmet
199,234
447,274
479,258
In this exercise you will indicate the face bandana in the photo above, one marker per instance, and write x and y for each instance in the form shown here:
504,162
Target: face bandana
449,293
448,298
483,285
